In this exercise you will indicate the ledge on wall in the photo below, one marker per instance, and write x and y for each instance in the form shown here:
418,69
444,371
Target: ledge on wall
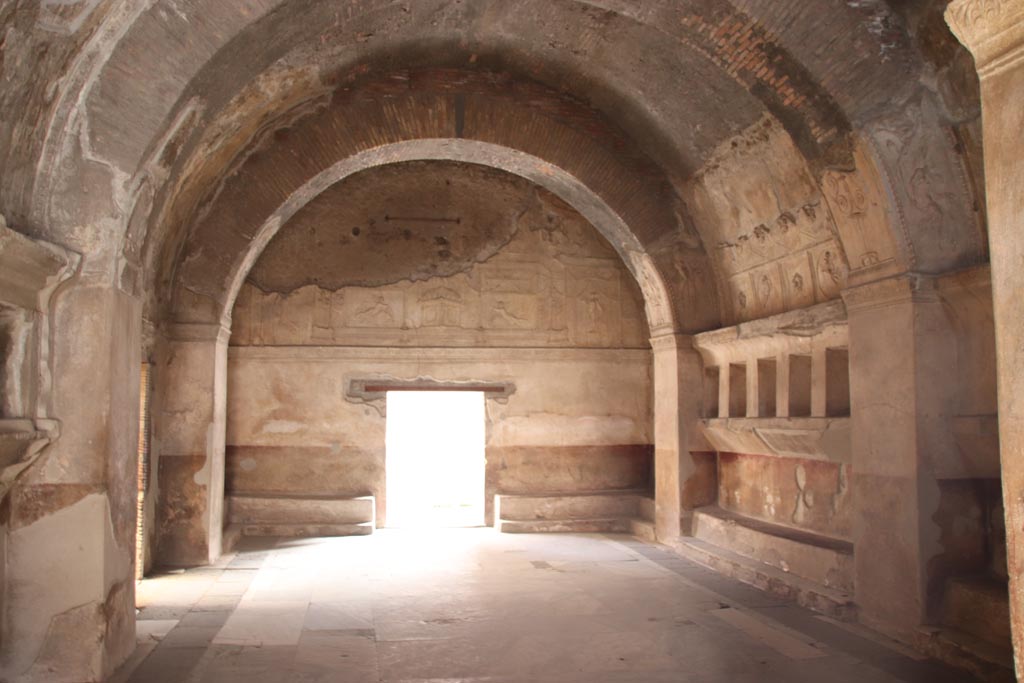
616,511
306,516
811,438
21,440
814,570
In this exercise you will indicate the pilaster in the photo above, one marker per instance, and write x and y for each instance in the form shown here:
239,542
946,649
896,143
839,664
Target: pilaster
993,30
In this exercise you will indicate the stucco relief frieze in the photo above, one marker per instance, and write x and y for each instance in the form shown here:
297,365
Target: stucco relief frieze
775,244
536,292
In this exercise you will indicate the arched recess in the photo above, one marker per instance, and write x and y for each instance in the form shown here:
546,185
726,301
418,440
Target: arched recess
552,178
195,385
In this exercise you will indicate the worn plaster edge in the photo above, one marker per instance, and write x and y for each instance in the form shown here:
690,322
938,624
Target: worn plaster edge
40,609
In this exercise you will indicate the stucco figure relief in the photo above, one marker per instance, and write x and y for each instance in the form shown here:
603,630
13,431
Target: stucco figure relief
371,308
831,271
860,218
440,307
797,281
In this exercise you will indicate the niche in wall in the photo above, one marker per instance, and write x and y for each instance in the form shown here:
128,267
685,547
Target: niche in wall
837,382
766,374
799,386
738,390
711,379
13,337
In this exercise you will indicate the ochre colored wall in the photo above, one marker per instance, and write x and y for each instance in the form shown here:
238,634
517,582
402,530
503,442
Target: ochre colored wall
806,494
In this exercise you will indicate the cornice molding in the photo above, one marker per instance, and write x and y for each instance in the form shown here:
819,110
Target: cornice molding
199,332
671,342
903,289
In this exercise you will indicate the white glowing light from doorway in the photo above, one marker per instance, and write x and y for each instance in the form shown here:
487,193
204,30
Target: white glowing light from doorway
435,458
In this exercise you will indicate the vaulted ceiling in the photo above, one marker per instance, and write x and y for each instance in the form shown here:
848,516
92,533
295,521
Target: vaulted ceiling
744,157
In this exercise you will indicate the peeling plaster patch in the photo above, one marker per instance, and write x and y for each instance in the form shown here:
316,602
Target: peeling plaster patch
248,464
77,626
411,221
73,548
281,427
879,22
65,16
32,503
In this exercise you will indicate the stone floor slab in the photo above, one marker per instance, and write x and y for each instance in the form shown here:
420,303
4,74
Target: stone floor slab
472,605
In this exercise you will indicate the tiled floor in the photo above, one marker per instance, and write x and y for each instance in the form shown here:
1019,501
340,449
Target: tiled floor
473,605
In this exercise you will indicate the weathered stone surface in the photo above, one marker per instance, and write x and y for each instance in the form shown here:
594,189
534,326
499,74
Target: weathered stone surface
980,608
568,507
253,510
565,469
182,537
296,469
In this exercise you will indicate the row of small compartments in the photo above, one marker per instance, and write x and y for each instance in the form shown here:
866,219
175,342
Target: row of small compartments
788,385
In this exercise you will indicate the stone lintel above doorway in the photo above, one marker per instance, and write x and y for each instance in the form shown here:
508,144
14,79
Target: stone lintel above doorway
376,388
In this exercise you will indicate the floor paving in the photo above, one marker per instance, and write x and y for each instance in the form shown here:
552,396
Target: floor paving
473,605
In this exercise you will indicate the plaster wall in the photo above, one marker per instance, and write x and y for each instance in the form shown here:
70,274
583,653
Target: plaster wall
806,494
69,593
447,272
578,420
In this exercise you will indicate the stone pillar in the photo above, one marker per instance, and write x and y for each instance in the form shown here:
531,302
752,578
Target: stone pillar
994,31
70,585
189,437
678,390
901,352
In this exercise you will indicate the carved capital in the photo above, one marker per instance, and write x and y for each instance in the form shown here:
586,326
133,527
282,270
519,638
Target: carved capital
671,342
992,29
911,288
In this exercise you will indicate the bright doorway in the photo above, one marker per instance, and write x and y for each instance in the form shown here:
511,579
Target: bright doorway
435,458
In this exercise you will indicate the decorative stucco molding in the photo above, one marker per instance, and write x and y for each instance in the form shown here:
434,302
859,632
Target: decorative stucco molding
31,271
992,29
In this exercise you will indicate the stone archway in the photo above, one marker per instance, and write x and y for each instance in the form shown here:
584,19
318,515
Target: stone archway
196,382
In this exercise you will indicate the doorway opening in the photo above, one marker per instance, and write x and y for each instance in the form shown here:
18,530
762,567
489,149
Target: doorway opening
435,458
